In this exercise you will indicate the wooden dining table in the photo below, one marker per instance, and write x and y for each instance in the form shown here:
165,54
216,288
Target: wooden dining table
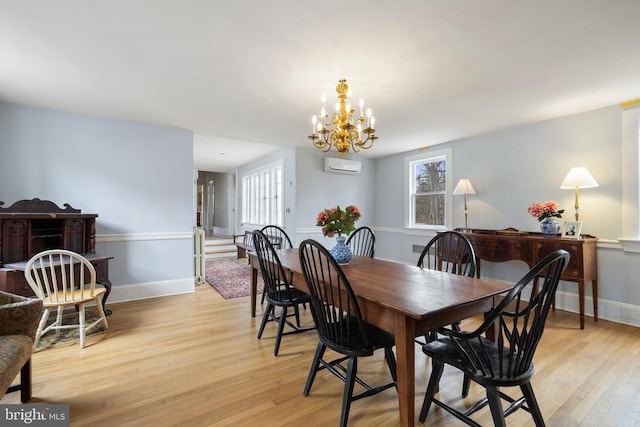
404,300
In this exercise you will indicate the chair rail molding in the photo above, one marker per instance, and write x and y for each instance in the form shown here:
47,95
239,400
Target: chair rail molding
103,238
629,245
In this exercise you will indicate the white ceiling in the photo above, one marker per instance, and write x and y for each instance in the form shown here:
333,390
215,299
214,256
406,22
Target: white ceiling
246,75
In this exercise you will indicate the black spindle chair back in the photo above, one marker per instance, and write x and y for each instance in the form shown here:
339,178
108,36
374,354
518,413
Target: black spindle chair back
449,251
362,242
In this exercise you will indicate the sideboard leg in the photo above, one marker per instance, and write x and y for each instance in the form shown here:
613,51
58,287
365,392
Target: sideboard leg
581,302
594,292
107,285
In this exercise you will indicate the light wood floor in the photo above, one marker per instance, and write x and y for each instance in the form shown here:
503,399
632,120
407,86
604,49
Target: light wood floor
194,360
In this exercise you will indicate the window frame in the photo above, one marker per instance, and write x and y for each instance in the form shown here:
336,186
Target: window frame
426,157
262,199
631,176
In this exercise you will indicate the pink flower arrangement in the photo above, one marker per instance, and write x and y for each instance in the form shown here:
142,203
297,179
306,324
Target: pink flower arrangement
548,209
336,220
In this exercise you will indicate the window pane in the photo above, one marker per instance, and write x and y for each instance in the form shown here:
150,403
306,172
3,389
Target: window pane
431,176
265,211
278,203
255,196
246,199
430,209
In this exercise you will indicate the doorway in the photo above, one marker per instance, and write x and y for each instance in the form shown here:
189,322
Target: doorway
214,206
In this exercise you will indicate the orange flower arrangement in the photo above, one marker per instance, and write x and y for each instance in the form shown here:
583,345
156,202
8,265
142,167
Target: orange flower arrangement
337,221
548,209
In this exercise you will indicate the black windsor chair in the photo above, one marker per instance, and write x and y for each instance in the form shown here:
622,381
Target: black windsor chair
278,290
507,362
340,327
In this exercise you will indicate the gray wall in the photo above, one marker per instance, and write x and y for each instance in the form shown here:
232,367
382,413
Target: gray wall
318,190
138,178
510,170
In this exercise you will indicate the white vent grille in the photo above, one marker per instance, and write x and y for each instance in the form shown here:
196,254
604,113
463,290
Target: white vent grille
417,249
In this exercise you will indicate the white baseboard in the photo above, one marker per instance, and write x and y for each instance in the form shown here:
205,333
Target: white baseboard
122,293
608,310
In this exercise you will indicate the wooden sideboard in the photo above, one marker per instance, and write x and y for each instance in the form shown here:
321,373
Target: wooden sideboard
31,226
510,244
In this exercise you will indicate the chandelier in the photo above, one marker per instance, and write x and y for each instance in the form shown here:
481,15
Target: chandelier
342,131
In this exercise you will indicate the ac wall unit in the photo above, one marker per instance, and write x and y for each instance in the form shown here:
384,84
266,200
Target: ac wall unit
335,165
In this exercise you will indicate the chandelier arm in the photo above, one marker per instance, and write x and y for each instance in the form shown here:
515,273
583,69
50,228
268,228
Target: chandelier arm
368,143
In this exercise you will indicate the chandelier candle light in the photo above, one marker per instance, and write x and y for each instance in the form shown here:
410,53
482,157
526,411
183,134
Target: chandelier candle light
342,131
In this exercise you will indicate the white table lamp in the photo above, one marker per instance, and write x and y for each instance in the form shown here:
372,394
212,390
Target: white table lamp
578,178
464,187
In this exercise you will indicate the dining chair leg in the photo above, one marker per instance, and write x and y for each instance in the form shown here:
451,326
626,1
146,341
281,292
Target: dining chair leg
296,311
81,317
496,407
281,321
58,319
43,321
391,362
532,403
466,383
103,316
349,382
315,365
265,317
436,372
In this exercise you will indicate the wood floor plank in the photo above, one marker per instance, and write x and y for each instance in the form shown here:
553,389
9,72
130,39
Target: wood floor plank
195,360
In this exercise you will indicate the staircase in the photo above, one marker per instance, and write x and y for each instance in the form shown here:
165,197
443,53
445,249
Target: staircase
219,247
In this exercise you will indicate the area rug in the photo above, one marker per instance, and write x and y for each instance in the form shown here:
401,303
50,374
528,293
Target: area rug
68,336
230,277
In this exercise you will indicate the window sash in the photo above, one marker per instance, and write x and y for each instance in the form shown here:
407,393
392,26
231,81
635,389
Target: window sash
428,201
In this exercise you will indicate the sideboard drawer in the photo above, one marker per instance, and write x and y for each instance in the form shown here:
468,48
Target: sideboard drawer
500,250
574,269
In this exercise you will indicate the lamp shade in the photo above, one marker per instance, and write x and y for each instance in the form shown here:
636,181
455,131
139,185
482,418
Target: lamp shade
578,178
464,186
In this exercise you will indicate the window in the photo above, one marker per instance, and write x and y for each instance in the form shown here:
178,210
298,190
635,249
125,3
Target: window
631,176
262,201
428,201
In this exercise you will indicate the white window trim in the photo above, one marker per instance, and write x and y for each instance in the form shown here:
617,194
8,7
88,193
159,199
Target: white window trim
448,206
631,176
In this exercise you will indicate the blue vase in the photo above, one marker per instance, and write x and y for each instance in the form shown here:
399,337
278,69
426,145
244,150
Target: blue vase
341,252
549,227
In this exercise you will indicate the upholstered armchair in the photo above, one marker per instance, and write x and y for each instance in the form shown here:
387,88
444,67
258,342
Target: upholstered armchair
19,318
